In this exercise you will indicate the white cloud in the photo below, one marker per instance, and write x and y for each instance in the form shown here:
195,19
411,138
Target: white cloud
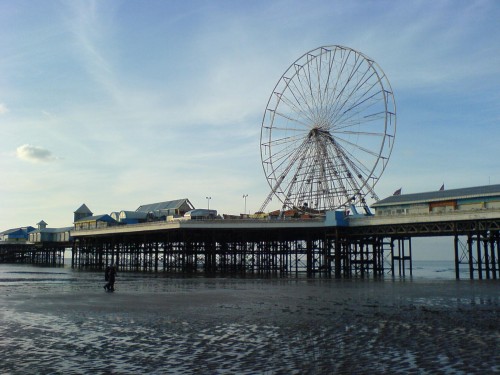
34,154
3,109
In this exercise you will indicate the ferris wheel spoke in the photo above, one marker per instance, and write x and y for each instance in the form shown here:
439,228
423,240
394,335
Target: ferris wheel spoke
283,143
307,81
301,102
281,129
359,117
361,105
306,84
285,116
291,161
295,184
358,179
331,65
332,169
311,112
279,157
288,135
358,102
324,92
350,185
319,69
295,109
354,96
355,105
329,173
361,81
355,167
315,96
287,155
287,144
348,132
347,81
341,71
356,164
358,122
343,175
299,89
346,159
361,148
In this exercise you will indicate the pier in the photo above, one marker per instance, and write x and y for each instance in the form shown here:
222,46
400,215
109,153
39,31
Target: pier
364,246
47,254
173,237
337,245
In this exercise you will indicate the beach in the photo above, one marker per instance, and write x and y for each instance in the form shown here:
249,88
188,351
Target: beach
60,321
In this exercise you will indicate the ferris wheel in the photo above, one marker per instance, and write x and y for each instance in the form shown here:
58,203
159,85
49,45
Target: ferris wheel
328,131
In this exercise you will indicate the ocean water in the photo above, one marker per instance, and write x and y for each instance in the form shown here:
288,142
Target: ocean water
25,275
436,270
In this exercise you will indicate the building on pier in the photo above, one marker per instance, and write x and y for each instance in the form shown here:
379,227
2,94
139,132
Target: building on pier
435,202
130,217
82,212
84,219
162,210
95,222
200,214
154,212
43,246
44,234
16,234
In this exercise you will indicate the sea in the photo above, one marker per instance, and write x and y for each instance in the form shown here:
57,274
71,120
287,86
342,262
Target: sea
30,276
21,273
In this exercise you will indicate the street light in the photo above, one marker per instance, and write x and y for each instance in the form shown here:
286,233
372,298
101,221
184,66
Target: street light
208,200
245,198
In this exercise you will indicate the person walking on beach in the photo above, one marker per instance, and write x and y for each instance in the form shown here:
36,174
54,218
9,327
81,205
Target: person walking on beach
106,277
112,276
109,276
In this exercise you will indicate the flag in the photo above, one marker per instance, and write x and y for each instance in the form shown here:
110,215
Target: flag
397,192
442,187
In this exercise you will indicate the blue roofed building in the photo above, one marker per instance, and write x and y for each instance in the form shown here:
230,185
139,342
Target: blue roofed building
95,222
132,217
16,234
84,219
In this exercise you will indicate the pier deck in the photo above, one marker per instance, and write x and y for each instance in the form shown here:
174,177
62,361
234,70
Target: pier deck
366,246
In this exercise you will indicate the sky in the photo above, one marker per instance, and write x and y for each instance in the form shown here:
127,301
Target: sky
117,104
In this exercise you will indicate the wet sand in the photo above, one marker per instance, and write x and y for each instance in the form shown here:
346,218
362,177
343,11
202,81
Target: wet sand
251,326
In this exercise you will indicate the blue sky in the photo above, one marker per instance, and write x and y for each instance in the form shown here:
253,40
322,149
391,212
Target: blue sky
122,103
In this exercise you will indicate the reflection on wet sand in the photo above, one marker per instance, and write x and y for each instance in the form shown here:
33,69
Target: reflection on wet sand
247,326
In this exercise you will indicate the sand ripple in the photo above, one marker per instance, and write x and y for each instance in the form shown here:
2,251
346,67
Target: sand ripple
252,327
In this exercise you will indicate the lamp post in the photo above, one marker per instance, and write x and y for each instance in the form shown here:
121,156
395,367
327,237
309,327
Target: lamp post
245,198
208,200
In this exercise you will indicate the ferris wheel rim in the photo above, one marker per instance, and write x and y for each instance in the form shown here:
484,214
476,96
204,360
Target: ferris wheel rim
266,146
